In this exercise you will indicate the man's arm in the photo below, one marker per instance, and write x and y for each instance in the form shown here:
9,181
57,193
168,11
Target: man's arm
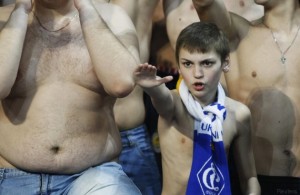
112,43
234,26
12,37
140,12
169,5
243,153
161,97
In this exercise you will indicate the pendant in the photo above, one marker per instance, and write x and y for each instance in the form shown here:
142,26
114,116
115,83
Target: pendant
283,59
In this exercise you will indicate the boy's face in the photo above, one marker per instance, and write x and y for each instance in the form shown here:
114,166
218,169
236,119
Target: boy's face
201,73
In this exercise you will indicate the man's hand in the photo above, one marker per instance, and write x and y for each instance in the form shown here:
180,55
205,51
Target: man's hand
24,4
80,4
145,76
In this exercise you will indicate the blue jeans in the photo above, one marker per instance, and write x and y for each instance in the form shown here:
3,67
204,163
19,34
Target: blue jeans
105,179
139,162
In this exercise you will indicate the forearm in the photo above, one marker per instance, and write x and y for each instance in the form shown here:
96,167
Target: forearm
113,61
161,99
212,11
253,187
12,38
169,5
216,12
202,4
244,154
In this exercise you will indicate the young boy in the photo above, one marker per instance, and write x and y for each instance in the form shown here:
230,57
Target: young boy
198,123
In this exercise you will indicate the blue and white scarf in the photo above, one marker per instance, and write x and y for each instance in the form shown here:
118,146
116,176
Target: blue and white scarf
209,172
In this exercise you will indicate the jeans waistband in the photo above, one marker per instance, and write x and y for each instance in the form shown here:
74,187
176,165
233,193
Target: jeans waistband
12,172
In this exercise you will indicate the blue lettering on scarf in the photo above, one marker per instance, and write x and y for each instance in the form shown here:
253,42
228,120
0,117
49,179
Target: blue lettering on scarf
207,127
215,135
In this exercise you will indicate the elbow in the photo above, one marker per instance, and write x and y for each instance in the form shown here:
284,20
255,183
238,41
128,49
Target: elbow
120,90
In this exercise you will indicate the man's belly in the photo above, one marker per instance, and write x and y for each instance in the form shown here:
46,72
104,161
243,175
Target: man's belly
276,129
58,130
73,155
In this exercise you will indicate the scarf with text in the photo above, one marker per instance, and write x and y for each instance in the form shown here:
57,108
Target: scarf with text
209,172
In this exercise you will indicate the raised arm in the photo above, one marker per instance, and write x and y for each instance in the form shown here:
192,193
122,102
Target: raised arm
140,12
161,97
215,11
112,43
169,5
243,154
12,37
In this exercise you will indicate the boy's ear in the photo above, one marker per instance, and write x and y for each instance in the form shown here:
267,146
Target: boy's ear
226,65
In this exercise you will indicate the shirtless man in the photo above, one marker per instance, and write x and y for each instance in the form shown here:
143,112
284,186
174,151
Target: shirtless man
181,13
264,75
202,53
137,157
63,64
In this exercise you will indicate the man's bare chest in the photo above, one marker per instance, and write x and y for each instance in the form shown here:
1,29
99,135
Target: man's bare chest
58,57
258,60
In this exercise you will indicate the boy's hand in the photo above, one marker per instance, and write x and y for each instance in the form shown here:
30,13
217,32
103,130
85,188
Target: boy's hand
145,76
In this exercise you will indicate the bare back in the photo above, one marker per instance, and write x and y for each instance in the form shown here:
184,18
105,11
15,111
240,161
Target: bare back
57,118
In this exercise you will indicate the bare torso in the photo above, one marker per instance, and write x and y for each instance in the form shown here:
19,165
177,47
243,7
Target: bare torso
270,89
57,118
130,111
176,143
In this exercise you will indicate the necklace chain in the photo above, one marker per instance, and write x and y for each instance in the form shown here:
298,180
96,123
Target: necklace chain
55,30
283,52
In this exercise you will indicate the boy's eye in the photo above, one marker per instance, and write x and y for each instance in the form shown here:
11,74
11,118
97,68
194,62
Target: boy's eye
207,63
187,64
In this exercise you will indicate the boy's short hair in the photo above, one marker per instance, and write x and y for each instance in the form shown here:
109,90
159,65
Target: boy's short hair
203,37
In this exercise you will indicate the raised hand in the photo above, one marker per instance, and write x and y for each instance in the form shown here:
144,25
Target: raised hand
25,4
79,4
145,76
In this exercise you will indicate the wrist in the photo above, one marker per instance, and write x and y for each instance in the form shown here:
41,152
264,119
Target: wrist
21,9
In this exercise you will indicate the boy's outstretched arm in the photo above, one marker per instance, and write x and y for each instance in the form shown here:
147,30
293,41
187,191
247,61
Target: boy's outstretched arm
145,76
